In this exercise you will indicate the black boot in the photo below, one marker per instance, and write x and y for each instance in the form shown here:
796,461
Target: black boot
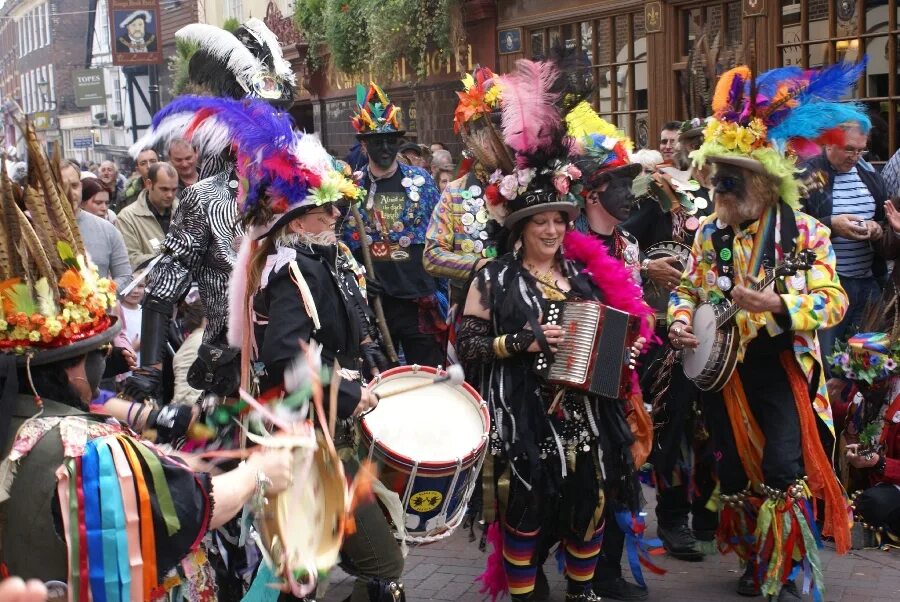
789,593
541,586
746,586
576,591
619,589
679,541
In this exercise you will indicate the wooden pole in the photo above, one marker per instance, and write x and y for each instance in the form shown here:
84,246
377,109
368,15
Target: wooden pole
376,299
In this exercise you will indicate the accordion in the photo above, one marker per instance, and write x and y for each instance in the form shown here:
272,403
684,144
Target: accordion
594,353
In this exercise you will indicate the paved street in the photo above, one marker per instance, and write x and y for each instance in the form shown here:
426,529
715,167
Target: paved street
447,571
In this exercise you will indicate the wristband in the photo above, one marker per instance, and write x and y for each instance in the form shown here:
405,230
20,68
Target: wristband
645,265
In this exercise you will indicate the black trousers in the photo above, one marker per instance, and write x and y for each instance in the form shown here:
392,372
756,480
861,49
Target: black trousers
772,404
404,323
609,562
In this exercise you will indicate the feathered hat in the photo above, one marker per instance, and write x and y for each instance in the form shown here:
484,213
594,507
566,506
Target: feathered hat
280,172
764,123
53,304
602,149
534,129
376,115
246,63
473,119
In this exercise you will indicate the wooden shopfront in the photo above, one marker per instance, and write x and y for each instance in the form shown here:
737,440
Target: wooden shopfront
641,51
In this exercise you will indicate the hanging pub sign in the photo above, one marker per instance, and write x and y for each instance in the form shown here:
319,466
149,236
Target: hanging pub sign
134,28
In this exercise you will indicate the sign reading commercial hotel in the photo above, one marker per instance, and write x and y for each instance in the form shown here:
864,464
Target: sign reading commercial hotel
89,87
134,28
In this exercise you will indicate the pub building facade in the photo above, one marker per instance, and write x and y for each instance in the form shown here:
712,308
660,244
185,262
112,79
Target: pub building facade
650,60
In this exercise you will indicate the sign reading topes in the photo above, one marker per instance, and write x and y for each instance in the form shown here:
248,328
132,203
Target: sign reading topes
89,87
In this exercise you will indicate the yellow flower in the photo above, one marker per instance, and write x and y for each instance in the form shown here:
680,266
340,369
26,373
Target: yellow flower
492,96
34,336
468,81
3,325
744,138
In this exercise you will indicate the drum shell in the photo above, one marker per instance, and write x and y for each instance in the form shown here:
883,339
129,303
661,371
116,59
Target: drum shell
655,296
438,488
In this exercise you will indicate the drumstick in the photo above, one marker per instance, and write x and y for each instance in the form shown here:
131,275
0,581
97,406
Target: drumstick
454,376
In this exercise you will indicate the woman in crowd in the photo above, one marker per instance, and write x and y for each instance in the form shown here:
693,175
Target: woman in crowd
95,199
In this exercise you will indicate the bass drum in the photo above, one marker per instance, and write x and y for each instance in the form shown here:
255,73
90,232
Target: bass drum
656,296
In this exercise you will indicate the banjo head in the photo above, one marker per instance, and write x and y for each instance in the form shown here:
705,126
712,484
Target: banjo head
655,296
704,324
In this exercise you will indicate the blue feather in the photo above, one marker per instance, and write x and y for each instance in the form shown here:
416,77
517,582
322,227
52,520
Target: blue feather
813,118
835,82
189,104
767,83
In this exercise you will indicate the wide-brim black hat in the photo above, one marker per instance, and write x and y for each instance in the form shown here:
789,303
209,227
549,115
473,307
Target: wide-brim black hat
537,201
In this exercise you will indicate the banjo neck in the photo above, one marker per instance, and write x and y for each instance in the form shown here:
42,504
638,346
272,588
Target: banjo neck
733,308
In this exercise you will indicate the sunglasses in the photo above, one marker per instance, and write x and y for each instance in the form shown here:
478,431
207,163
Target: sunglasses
726,183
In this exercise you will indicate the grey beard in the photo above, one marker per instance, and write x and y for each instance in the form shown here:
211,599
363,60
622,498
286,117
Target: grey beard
736,212
306,239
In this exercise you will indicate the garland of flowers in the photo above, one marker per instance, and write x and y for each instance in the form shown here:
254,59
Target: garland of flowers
374,35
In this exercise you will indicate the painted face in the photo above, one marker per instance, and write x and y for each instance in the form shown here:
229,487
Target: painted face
736,200
382,150
543,234
319,223
614,196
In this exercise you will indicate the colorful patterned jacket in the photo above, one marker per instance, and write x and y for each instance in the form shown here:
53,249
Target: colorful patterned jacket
421,198
814,299
457,237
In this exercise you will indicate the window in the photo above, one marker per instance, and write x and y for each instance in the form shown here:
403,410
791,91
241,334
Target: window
52,81
616,49
703,33
234,9
819,32
22,87
47,21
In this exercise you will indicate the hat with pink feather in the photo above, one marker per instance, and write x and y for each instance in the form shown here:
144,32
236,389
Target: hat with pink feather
544,178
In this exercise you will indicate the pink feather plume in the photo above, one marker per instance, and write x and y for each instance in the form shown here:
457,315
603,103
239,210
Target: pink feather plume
238,316
530,115
611,277
493,579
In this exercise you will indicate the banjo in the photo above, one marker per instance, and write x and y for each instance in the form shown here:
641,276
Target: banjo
711,364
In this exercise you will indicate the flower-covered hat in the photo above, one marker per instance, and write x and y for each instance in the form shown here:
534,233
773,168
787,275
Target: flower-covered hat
603,150
280,172
377,114
479,103
868,357
53,304
765,123
544,178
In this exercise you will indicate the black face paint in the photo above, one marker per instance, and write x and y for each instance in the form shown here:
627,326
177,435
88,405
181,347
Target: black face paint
382,150
618,199
729,180
94,365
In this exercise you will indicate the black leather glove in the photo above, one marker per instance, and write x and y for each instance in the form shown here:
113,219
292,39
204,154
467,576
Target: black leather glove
171,422
373,287
143,384
373,358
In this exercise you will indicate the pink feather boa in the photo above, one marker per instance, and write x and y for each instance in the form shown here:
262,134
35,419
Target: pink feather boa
612,278
493,579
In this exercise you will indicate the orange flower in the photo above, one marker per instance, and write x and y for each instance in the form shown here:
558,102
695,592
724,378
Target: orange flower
71,282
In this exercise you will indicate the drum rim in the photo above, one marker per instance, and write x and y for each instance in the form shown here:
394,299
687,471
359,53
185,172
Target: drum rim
432,465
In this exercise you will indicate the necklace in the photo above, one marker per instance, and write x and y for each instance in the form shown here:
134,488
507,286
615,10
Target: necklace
547,283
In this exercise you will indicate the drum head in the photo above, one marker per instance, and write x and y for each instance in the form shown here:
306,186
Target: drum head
306,528
704,326
436,424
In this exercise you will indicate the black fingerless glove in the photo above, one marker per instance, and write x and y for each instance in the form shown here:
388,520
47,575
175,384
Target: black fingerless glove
171,422
519,342
373,358
143,384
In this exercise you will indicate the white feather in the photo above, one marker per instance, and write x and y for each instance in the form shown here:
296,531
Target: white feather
268,39
173,127
310,152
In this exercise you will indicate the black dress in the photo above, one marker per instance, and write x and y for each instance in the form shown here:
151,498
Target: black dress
557,464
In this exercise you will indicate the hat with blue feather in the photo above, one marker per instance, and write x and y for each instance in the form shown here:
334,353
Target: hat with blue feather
377,115
765,123
281,172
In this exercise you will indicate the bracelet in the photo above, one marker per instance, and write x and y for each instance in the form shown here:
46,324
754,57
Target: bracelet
500,347
128,418
645,266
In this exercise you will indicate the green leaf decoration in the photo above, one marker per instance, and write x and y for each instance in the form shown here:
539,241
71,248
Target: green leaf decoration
66,254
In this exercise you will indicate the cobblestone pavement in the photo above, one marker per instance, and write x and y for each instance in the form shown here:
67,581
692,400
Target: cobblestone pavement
446,571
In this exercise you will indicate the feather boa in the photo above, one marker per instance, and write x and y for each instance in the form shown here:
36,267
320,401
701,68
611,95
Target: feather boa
611,277
238,312
493,579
